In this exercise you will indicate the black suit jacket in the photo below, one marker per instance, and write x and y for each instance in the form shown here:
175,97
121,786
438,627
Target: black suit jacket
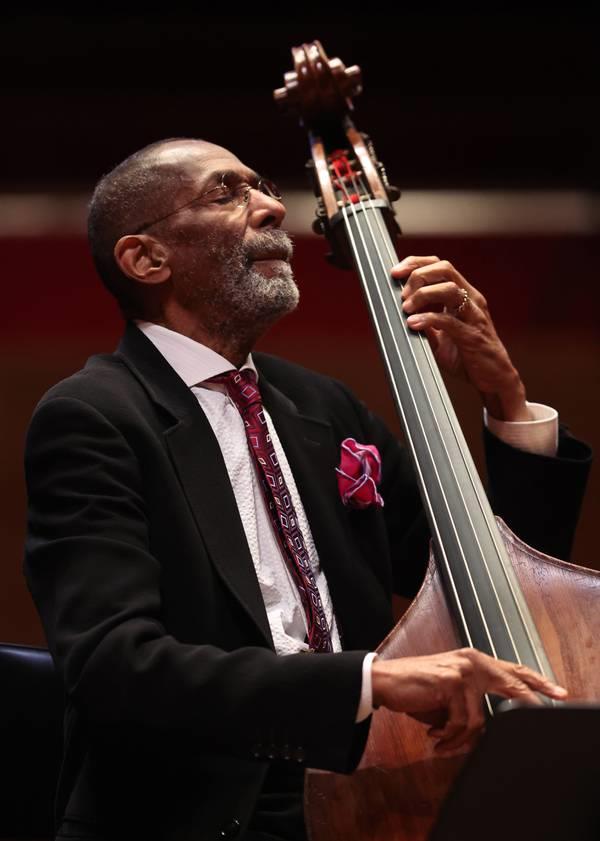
138,563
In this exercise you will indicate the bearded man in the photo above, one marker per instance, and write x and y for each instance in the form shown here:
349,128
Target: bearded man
175,610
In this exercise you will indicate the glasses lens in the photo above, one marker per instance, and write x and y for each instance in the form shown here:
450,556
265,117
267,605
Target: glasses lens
238,193
235,192
270,188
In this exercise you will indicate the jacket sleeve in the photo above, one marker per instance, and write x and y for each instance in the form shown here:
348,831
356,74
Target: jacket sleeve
97,587
539,497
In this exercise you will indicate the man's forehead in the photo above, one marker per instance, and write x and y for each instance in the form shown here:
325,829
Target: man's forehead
200,159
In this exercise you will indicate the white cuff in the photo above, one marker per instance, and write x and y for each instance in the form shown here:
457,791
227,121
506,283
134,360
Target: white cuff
538,435
365,706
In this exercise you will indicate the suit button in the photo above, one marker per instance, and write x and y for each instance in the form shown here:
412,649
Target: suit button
231,830
286,752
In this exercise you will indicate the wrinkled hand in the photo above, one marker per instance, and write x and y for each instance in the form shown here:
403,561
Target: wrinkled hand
448,688
465,342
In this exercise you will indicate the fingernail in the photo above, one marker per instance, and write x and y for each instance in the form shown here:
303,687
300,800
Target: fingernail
404,265
415,321
407,306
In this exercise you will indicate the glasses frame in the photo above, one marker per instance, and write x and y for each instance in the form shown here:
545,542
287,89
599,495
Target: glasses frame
264,185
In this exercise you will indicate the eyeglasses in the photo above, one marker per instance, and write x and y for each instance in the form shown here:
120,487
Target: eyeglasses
228,193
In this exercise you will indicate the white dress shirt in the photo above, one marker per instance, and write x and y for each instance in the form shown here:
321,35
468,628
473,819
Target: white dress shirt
195,363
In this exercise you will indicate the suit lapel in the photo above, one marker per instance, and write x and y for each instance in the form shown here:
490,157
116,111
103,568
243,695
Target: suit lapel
197,458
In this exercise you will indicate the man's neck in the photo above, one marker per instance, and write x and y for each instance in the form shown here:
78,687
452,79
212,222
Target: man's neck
232,345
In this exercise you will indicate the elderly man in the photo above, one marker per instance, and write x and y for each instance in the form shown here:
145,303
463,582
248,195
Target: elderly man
177,597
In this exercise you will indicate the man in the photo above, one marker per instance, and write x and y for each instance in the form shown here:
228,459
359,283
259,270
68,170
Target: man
159,563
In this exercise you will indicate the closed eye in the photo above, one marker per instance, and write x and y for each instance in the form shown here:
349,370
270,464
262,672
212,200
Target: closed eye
223,197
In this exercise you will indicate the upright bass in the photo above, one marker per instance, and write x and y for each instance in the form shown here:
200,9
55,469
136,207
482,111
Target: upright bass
484,587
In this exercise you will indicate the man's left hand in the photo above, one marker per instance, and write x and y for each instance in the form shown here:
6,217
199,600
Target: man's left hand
439,301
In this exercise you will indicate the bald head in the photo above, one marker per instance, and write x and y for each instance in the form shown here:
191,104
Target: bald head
143,187
187,154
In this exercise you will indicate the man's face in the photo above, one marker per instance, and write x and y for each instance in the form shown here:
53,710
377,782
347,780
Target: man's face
230,263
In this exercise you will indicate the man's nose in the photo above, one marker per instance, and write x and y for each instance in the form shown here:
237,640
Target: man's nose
265,211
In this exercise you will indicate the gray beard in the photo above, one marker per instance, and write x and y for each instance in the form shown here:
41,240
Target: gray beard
240,296
252,295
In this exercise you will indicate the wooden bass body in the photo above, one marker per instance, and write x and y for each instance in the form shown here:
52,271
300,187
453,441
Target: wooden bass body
397,790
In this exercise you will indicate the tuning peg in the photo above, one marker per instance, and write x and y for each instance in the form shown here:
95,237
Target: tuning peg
337,83
318,226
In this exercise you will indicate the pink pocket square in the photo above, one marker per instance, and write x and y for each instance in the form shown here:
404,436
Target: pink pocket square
359,474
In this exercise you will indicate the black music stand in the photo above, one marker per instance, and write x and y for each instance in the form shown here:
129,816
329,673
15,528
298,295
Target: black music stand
534,776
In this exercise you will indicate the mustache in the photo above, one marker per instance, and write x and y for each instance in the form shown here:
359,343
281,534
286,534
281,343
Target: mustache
276,245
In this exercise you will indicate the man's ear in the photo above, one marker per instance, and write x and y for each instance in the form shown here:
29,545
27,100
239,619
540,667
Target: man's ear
142,258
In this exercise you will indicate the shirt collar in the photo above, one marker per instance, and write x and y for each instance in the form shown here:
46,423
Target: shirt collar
191,360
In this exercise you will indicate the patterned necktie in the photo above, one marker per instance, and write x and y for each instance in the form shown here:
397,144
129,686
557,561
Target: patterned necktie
243,390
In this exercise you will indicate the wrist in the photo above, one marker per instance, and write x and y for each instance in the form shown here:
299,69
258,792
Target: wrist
509,403
379,682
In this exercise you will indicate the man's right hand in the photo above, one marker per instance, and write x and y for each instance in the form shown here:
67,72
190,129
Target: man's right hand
450,687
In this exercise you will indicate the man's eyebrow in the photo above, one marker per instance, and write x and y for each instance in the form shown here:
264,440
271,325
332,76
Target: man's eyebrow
210,179
235,174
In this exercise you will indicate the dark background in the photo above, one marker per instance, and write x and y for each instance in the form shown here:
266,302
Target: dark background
453,100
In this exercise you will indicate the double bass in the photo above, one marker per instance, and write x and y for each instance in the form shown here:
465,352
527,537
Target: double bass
484,587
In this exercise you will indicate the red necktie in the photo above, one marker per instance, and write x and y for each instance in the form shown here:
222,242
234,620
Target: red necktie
242,388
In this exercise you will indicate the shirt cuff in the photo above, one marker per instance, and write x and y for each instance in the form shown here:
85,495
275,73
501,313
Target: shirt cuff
365,706
538,435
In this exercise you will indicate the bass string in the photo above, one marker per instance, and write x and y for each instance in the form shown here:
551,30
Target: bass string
407,426
493,534
440,543
360,191
476,486
459,490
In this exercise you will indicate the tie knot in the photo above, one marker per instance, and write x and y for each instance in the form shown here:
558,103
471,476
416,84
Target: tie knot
241,387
